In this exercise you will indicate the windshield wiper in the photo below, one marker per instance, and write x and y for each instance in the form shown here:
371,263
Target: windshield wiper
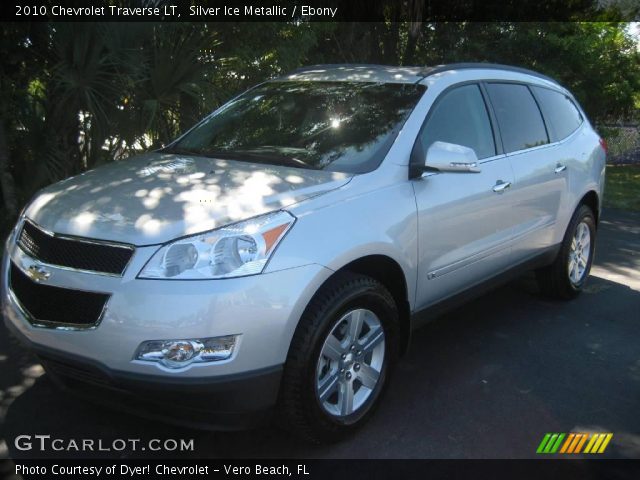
246,155
182,151
275,159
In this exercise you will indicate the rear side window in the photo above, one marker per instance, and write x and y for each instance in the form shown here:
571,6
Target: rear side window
518,116
460,117
561,114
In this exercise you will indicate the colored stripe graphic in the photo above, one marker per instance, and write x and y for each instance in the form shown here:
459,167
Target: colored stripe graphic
607,439
555,447
582,440
543,443
591,443
567,442
574,443
550,443
596,445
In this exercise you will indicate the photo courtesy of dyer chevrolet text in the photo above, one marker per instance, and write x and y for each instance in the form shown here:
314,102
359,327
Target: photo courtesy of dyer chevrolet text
160,469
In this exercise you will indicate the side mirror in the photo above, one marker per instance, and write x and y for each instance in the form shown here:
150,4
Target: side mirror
449,157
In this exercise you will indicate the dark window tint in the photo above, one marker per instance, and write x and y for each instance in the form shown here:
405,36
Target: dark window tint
518,115
338,126
460,117
562,116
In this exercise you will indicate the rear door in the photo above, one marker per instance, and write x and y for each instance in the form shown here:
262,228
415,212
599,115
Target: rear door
464,219
563,120
540,179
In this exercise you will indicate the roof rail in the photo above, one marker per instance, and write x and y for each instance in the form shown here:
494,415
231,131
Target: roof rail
428,71
340,65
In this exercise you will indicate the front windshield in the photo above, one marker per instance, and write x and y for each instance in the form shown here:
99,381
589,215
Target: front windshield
337,126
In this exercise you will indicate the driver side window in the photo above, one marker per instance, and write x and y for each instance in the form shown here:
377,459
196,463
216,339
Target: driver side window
460,117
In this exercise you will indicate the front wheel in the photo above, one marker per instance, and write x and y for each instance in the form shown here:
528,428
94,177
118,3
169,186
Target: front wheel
340,358
567,275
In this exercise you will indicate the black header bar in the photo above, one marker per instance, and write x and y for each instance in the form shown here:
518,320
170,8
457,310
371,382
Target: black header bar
318,10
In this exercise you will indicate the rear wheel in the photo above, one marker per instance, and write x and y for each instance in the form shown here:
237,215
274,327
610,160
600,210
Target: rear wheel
340,359
566,276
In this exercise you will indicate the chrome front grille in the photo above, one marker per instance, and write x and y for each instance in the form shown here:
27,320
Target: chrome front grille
72,252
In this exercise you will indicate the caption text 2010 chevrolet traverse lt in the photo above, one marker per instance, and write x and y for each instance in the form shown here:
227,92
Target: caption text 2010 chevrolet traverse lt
277,255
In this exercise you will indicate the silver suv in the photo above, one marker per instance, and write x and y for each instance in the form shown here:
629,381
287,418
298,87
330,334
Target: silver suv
280,252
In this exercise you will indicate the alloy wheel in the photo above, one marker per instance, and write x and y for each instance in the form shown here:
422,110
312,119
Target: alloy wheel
579,253
350,362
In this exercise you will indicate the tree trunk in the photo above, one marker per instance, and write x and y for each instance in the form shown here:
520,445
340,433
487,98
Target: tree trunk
7,183
188,112
415,13
391,39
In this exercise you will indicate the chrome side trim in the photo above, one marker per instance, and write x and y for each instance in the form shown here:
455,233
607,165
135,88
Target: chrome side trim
548,145
452,267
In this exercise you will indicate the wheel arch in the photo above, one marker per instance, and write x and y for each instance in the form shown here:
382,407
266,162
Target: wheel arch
591,200
389,273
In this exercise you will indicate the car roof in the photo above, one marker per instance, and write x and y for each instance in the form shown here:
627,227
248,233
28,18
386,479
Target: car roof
357,73
396,74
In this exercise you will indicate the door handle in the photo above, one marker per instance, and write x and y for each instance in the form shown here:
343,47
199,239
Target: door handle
501,186
560,168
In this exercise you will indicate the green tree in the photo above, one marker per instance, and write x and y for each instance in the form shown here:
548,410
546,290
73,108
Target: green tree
78,95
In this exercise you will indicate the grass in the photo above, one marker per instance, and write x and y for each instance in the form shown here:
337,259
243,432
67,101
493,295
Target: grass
621,140
622,187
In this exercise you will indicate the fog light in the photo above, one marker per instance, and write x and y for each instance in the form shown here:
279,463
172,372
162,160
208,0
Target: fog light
181,353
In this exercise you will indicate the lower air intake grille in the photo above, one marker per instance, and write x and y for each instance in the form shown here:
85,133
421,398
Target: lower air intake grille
76,372
55,306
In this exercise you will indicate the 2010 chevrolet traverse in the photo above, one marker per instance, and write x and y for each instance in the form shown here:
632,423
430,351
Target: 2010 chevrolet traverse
279,253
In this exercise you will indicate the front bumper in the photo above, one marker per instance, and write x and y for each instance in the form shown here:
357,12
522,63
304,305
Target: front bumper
263,310
228,402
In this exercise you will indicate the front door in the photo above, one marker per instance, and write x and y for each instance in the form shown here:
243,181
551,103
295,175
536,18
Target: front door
465,222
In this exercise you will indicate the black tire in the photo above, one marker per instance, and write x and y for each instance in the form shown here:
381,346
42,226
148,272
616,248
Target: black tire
299,407
554,280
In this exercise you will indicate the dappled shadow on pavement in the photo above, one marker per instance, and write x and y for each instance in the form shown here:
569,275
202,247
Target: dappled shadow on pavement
19,370
618,253
507,367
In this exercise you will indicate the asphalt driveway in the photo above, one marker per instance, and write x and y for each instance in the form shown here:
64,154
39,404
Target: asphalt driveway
487,380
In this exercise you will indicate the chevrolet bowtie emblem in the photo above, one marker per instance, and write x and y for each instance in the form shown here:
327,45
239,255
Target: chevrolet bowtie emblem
38,273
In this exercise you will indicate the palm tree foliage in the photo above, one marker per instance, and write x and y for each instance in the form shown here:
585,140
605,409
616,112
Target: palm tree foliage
76,95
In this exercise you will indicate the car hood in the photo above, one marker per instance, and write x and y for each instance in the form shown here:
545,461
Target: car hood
157,197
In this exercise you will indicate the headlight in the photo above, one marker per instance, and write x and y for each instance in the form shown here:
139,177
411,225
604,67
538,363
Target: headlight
236,250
